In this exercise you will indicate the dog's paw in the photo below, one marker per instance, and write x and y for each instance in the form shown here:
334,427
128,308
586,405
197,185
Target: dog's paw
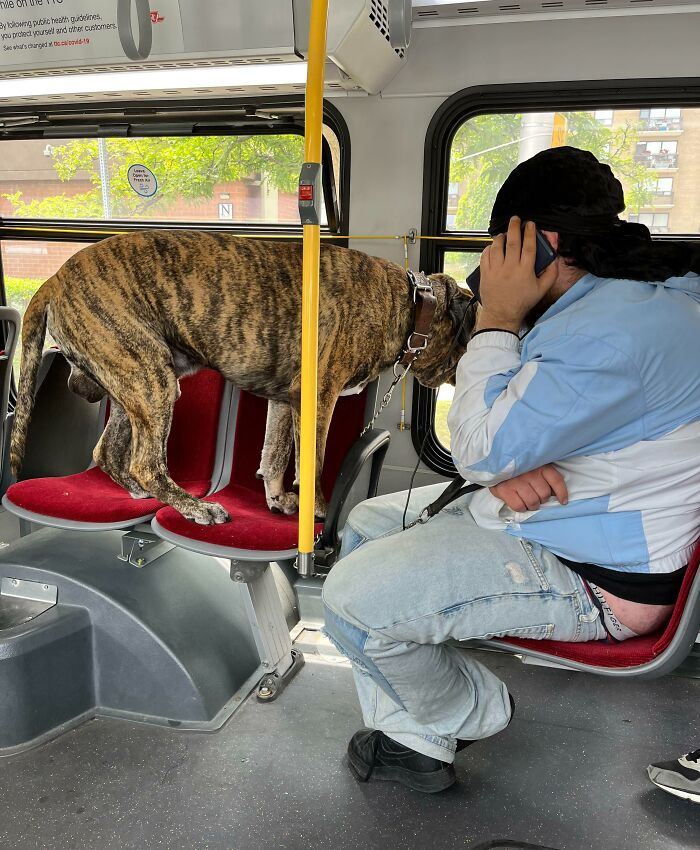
207,513
320,509
286,503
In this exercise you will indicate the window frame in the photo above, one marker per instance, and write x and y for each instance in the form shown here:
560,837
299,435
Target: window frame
174,118
521,97
232,116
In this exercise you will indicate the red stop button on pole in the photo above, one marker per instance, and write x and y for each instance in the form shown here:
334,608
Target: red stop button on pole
306,192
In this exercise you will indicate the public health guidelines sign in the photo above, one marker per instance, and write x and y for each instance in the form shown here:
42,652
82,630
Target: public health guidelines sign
46,34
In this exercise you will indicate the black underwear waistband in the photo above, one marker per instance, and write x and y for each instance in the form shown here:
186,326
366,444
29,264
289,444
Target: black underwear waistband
647,588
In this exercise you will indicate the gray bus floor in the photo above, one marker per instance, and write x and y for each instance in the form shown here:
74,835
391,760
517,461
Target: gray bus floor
569,773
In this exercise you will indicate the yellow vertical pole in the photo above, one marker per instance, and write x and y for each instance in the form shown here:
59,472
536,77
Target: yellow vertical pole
559,130
310,292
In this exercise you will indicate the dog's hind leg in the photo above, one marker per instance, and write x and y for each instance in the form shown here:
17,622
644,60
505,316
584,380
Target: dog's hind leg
148,398
113,451
276,452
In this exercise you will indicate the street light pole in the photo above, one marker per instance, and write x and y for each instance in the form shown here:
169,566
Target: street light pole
104,178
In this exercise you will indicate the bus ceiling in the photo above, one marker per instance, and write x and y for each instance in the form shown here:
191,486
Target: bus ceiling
192,50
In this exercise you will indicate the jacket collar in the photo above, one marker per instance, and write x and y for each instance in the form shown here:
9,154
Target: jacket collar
579,290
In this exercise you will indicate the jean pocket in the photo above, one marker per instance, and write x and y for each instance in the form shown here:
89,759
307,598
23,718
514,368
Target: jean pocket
535,564
543,632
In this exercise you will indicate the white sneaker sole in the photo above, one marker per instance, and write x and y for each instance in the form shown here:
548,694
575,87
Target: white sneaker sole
684,795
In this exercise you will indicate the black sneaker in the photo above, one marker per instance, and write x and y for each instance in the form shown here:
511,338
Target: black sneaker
371,753
680,778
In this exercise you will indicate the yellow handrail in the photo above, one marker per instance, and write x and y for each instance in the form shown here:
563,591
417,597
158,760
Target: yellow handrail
393,237
316,61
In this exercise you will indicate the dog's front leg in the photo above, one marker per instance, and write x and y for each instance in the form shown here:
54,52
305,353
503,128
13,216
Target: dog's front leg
327,399
113,451
276,452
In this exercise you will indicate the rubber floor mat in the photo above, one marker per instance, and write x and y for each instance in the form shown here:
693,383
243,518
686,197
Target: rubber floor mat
509,845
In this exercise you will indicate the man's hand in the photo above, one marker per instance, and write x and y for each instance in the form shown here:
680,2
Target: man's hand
509,286
528,491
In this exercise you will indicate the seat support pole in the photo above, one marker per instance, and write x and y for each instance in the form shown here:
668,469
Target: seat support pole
280,662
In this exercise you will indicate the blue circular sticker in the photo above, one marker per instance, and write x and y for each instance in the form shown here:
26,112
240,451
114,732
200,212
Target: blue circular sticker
142,180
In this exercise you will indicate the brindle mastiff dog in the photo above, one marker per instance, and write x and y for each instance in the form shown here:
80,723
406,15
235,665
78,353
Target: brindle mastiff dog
135,312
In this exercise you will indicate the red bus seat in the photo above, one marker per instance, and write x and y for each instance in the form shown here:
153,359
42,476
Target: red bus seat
254,531
91,501
648,656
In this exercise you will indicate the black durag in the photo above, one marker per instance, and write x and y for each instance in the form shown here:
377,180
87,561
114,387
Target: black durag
569,191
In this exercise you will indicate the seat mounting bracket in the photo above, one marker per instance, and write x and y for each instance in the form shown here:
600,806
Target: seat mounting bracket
140,548
280,662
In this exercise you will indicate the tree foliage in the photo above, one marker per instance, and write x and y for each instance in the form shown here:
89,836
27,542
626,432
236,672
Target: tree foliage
485,150
186,167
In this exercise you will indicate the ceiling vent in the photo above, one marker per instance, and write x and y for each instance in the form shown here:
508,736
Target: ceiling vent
367,39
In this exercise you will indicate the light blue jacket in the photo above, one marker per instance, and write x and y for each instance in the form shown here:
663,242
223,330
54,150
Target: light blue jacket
606,385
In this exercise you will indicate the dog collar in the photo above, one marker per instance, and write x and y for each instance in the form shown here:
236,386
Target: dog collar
426,303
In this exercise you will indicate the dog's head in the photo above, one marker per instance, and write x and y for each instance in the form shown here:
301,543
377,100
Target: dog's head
452,327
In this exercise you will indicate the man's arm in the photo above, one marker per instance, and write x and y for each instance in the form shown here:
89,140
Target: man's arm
578,396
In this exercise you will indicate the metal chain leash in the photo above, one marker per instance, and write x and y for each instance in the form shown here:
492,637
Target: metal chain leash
386,399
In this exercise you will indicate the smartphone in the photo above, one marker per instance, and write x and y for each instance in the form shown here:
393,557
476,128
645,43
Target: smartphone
544,257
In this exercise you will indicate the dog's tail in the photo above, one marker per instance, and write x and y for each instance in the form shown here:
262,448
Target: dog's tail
33,332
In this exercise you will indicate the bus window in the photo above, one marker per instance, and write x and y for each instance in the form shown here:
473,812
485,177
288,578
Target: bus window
240,179
243,179
460,264
25,266
654,152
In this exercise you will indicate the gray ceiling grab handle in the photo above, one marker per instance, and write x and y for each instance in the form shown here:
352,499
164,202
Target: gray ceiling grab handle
126,32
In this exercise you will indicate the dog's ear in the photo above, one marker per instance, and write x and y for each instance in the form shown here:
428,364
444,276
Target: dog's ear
459,307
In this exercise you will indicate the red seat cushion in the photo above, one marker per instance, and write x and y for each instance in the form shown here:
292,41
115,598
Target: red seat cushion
254,527
89,496
629,653
92,496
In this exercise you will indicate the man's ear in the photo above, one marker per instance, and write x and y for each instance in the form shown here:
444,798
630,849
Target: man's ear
552,238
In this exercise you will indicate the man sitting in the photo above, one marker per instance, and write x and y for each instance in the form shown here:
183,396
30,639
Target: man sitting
605,387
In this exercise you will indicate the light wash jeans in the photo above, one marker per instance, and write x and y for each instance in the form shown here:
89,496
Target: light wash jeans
396,598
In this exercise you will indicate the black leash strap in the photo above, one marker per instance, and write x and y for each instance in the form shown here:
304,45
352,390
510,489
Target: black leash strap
456,488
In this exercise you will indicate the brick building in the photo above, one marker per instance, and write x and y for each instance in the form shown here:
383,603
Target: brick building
27,167
669,146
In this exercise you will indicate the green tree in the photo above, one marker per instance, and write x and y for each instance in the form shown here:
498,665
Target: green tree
485,150
186,167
